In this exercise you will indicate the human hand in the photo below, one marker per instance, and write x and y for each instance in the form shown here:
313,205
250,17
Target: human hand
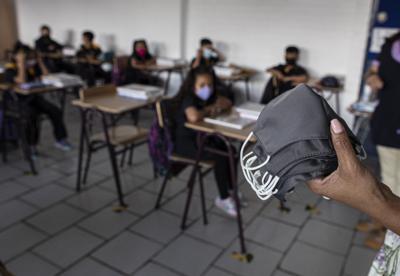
375,82
351,183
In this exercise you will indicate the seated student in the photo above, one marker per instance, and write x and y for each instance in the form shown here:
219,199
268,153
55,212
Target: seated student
26,66
139,59
89,63
285,76
200,98
50,50
207,55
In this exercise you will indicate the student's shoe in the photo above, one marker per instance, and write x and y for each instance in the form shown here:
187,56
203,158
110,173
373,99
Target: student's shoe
63,145
227,205
34,152
243,201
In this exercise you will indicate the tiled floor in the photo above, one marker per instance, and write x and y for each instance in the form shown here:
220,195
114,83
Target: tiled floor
46,228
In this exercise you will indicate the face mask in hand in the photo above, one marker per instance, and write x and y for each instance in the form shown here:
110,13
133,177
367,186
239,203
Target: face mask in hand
292,146
204,93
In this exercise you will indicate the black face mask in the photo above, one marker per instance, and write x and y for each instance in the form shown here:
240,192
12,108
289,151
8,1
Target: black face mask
291,61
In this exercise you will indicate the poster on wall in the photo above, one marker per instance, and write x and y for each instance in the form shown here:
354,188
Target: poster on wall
378,37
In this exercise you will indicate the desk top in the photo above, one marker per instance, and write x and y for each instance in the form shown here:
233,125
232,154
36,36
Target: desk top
26,92
237,134
106,99
161,68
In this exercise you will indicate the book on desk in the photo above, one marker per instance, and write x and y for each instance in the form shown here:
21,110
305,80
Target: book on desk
226,71
139,91
62,80
239,117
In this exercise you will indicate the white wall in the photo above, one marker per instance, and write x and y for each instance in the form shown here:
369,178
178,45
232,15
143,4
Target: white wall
331,34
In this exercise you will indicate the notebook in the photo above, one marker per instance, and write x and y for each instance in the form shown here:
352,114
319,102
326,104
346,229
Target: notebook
231,120
368,107
139,91
250,110
224,71
62,80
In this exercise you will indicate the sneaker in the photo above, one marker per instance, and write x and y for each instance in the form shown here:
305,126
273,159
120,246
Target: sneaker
227,206
63,145
243,201
34,152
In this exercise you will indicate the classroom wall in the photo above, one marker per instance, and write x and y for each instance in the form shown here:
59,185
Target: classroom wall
331,34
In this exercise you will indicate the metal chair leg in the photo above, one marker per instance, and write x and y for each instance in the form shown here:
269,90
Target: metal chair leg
87,165
161,193
131,152
203,199
81,149
191,183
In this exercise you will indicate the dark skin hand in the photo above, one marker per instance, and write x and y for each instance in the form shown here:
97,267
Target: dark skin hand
354,185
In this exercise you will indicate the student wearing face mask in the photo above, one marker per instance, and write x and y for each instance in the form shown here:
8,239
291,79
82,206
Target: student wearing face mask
139,60
285,76
50,50
26,66
199,99
207,54
89,63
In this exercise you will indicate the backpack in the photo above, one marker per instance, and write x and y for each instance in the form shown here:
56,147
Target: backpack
10,128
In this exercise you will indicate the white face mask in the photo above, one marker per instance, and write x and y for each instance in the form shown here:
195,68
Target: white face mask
263,184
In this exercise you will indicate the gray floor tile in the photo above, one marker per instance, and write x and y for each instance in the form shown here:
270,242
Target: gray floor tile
67,166
7,172
88,267
159,226
359,238
326,236
11,189
48,195
68,247
44,177
338,213
129,183
141,202
359,261
281,273
107,223
13,211
92,179
152,269
297,215
93,199
217,272
264,260
127,252
29,264
17,239
271,233
220,231
57,218
197,256
174,186
248,212
306,260
177,205
303,195
143,169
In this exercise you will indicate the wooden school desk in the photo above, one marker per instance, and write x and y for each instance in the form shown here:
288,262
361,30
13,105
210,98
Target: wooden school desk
227,135
244,75
331,91
158,69
16,113
105,101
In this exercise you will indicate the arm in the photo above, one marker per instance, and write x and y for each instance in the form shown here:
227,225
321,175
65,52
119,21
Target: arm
42,66
221,56
354,185
221,105
275,73
21,75
197,60
297,79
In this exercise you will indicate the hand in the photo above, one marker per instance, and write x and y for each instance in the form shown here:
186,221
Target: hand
277,74
351,183
375,82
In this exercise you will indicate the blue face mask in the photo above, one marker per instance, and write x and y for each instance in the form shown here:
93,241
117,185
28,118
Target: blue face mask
204,93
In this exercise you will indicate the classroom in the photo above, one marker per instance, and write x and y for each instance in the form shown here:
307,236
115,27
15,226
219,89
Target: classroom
199,138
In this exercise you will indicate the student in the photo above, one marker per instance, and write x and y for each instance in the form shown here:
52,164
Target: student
200,98
207,54
49,50
26,66
140,58
89,63
285,76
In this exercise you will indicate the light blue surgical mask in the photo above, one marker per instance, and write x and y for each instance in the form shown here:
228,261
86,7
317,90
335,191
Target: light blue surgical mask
204,93
208,53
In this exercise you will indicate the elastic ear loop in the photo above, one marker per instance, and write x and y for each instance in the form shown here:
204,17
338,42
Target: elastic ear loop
266,189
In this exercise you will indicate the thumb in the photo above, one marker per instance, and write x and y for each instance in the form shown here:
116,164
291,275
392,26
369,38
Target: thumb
341,142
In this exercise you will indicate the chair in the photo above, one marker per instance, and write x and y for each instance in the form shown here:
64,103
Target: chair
165,111
122,138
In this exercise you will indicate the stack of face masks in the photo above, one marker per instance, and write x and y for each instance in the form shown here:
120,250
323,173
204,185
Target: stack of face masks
293,143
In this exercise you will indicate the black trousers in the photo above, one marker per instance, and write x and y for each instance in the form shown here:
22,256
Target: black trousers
36,105
90,73
221,169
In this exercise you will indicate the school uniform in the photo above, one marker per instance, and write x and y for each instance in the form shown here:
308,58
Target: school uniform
186,142
46,45
135,75
206,61
273,90
35,105
90,72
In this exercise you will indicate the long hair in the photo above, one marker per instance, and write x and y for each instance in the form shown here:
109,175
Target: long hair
136,42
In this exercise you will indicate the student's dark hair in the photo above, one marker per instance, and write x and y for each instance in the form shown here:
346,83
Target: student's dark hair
89,35
45,27
205,41
292,49
136,42
189,83
19,46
